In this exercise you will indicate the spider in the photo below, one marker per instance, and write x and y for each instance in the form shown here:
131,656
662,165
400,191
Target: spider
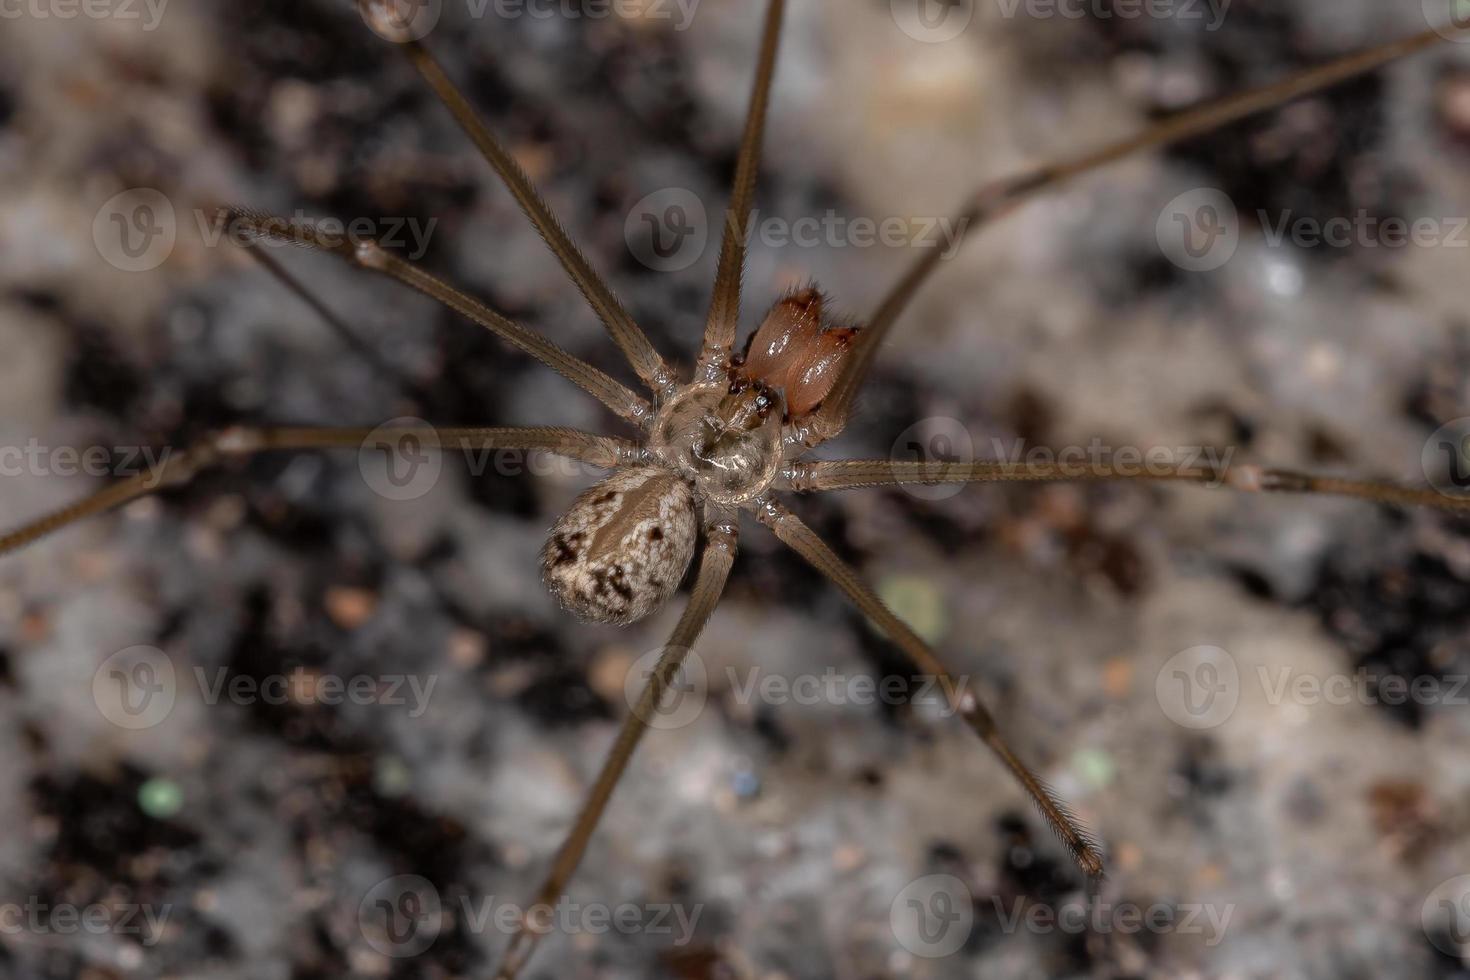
732,435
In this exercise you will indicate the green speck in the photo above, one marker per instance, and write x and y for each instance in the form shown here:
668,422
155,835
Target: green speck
918,602
390,776
1094,766
160,798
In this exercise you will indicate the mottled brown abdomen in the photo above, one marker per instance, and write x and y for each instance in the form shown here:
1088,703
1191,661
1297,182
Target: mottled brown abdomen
623,546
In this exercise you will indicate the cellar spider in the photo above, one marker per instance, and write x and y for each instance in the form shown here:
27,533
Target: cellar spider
732,435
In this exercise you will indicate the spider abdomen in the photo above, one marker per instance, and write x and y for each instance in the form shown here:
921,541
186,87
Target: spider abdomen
623,546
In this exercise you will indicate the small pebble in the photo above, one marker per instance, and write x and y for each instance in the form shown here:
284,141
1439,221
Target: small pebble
160,798
917,601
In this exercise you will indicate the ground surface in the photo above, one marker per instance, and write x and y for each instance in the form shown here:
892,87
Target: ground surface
1280,830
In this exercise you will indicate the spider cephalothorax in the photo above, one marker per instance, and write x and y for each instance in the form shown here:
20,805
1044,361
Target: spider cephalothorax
624,545
731,436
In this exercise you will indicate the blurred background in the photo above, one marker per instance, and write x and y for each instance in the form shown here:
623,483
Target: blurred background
297,721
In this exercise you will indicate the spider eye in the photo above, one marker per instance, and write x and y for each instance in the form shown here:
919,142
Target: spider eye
623,546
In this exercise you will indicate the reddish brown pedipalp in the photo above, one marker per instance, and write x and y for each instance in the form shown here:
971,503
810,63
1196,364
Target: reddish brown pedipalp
795,350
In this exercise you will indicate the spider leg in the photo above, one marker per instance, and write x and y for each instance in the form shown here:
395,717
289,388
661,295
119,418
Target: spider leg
625,333
793,532
178,468
714,569
724,309
847,474
370,255
338,325
999,197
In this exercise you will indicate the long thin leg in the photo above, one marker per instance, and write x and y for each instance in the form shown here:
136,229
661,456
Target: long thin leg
724,308
805,542
177,468
848,474
1000,197
714,569
339,326
625,333
370,255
